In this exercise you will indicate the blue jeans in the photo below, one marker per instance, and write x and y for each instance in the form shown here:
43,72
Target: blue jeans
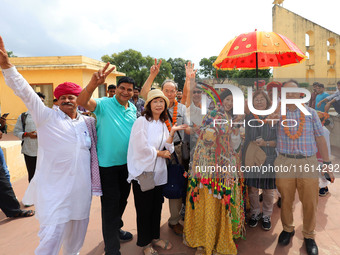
3,165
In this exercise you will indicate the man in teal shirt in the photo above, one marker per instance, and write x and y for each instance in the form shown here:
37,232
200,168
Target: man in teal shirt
320,89
115,117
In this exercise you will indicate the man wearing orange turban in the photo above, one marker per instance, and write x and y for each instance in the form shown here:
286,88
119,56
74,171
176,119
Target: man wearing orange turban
67,172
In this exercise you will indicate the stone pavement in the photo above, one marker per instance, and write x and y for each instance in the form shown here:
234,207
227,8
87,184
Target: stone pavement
19,236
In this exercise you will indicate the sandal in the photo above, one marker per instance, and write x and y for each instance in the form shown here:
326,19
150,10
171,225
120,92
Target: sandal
148,250
167,245
24,213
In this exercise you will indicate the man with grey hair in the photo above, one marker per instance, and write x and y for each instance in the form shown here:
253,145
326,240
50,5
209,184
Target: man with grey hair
176,114
297,147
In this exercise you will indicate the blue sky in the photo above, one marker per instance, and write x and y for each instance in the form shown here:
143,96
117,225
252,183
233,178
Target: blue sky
188,29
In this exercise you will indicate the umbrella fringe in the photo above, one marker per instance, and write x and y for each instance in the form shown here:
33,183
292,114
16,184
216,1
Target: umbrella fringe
252,68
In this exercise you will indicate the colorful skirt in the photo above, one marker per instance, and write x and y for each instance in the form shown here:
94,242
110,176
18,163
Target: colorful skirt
211,225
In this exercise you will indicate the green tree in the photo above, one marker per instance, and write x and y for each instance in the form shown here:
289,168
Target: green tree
135,65
11,54
248,77
130,62
208,71
178,70
243,77
164,72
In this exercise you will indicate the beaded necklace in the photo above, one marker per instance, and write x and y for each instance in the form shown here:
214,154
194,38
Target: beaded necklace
174,116
299,132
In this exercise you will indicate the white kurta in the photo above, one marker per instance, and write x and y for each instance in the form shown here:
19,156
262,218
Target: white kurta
146,138
61,186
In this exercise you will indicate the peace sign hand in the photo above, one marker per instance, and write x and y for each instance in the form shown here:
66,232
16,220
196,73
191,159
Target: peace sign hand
99,77
154,70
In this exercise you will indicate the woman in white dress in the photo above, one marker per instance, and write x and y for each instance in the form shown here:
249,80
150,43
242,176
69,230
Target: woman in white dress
149,135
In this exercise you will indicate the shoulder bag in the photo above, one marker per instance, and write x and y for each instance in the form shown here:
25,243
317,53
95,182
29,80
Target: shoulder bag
176,181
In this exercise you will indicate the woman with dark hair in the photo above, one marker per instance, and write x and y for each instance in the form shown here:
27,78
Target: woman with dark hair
227,101
214,215
260,138
149,135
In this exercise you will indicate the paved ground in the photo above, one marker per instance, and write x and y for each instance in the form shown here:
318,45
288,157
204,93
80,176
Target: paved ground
19,236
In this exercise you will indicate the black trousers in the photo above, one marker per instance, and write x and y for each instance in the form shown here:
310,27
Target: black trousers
31,163
8,202
148,208
116,191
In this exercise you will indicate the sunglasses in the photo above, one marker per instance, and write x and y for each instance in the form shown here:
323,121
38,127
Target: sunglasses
197,92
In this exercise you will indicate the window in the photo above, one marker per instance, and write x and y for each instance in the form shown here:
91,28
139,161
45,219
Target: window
47,90
309,39
331,55
102,90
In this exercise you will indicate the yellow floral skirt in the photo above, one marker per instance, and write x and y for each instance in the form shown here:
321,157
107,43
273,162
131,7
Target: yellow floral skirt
209,225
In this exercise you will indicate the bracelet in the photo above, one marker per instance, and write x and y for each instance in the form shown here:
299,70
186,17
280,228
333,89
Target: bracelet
25,134
171,135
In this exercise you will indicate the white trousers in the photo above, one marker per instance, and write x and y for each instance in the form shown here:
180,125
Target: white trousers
70,235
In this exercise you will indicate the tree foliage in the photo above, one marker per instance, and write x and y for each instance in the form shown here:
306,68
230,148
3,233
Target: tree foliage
136,66
248,77
244,77
208,71
11,54
178,70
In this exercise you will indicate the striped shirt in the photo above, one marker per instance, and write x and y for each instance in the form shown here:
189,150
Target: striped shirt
335,96
305,144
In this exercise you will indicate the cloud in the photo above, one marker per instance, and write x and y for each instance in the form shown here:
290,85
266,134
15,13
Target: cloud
188,29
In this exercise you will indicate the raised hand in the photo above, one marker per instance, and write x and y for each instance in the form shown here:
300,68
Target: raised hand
4,59
190,72
154,70
99,77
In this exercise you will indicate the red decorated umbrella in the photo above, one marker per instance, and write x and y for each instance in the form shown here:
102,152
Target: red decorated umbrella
259,50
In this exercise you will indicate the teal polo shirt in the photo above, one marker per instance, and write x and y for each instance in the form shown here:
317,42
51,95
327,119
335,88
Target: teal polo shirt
114,124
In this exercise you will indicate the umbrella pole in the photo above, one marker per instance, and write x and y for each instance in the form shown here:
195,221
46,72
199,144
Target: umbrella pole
257,73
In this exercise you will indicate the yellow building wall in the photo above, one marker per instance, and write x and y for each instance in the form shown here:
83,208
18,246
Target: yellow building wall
316,68
14,159
49,70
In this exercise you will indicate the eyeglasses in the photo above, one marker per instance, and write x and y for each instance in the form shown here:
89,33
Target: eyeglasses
197,92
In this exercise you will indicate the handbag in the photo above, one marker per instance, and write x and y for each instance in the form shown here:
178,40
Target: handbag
147,179
176,180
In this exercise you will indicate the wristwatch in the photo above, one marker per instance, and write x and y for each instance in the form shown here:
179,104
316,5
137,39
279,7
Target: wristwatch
327,162
267,144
